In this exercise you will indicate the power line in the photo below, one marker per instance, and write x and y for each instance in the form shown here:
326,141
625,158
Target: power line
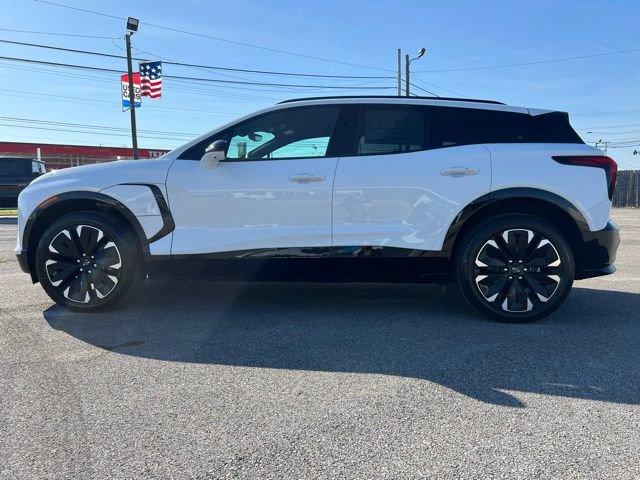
197,79
424,90
89,126
610,133
523,64
611,112
76,35
195,65
84,132
611,126
219,39
83,100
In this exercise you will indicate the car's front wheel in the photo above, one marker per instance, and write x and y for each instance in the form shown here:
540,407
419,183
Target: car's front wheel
515,268
86,261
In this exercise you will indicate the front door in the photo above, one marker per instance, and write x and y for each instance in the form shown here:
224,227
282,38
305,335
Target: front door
274,190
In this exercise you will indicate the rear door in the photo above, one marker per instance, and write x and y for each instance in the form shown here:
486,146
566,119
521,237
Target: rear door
409,173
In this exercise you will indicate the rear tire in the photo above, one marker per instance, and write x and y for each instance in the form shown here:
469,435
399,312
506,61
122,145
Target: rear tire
515,268
87,261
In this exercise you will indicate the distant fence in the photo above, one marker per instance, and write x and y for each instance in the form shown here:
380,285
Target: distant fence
627,192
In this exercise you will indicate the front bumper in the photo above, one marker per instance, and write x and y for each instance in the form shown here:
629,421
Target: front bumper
598,252
23,261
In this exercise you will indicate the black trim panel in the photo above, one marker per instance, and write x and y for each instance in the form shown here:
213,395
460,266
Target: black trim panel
23,260
168,225
598,252
396,270
510,194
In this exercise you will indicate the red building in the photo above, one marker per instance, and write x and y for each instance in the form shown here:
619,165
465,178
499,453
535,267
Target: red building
63,156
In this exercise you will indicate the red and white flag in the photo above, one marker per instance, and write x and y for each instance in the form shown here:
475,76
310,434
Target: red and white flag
151,79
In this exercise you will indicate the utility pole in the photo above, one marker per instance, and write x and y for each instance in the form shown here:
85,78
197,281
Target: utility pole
399,72
408,61
406,66
132,26
605,143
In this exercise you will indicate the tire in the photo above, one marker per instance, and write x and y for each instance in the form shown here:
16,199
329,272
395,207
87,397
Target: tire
515,268
87,261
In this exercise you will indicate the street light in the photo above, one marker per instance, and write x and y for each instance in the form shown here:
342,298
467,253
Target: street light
408,61
132,24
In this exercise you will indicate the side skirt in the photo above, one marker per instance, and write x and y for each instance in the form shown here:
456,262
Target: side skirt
327,269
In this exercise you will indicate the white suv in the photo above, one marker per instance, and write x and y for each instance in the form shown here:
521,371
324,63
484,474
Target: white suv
507,201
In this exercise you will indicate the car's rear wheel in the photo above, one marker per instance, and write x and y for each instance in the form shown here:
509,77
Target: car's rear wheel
86,261
515,268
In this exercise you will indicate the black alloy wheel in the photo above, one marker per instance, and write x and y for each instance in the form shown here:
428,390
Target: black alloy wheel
515,268
83,263
87,260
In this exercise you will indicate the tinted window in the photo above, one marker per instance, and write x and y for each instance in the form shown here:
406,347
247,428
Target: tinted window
388,129
443,133
15,167
491,126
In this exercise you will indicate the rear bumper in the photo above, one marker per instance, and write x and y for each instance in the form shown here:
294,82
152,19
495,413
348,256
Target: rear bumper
598,252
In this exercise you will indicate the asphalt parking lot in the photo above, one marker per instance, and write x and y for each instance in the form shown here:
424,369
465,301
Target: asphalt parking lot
210,380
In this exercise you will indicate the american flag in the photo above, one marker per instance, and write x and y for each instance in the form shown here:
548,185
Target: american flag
151,79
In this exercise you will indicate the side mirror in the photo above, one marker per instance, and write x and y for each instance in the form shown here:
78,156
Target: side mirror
215,153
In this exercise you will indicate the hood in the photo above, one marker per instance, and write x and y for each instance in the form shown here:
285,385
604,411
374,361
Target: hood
102,175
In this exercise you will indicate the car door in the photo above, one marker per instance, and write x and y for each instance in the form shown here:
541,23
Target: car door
273,191
410,172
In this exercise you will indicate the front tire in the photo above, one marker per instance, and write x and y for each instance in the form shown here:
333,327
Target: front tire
86,261
515,268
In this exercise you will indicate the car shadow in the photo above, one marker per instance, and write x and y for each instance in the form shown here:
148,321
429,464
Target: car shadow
588,349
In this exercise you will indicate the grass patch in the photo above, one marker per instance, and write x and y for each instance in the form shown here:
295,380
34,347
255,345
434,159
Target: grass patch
8,212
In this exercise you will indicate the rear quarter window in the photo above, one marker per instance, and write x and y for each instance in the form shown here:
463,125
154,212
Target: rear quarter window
493,126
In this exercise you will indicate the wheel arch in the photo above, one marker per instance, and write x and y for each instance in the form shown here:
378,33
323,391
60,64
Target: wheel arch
548,206
58,205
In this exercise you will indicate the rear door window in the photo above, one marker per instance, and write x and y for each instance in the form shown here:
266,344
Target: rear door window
391,129
442,132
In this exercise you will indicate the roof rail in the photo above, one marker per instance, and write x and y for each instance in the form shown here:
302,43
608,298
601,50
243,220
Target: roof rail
449,99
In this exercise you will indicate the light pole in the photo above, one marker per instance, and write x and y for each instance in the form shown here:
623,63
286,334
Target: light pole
132,26
399,72
408,61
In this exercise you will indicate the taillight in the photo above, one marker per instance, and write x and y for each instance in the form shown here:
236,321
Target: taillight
599,161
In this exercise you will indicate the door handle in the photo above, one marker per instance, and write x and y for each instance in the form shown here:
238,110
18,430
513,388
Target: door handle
459,171
306,178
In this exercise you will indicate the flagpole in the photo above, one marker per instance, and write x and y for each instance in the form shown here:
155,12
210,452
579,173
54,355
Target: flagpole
132,98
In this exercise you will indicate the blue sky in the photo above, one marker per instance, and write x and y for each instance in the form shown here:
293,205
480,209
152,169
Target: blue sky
601,93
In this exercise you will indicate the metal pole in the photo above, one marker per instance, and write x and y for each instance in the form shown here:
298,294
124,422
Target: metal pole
132,99
399,72
406,85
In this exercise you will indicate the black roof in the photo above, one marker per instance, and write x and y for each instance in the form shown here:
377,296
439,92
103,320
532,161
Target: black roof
450,99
